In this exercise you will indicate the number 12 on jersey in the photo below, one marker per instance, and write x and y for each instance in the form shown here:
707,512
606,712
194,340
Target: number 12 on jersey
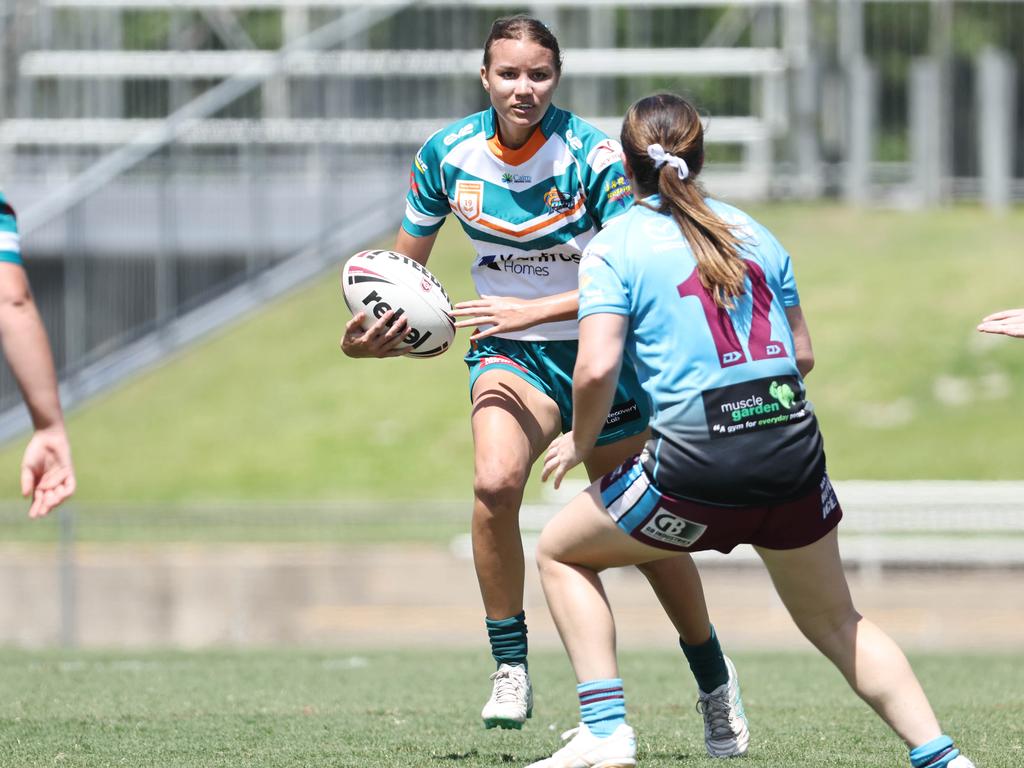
730,352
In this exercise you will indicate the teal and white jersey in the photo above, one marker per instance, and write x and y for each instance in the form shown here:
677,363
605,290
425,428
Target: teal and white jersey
10,243
529,212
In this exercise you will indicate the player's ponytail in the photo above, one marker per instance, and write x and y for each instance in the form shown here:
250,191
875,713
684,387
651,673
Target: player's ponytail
663,141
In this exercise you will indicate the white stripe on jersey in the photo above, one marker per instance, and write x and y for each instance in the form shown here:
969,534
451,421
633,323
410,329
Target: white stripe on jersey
474,156
420,219
539,226
9,241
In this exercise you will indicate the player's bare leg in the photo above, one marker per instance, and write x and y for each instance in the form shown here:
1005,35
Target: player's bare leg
811,582
574,547
512,423
677,584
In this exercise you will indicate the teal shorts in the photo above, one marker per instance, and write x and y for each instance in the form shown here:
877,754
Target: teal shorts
548,366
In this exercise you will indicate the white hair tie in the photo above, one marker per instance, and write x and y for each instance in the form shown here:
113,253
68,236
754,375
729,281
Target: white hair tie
658,154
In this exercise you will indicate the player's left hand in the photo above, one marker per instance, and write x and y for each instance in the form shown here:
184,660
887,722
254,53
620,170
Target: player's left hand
502,314
1009,322
562,456
47,475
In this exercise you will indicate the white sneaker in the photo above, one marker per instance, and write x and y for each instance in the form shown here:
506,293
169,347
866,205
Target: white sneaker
725,723
511,699
589,751
960,762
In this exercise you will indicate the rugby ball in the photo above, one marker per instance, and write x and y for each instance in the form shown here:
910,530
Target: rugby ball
376,281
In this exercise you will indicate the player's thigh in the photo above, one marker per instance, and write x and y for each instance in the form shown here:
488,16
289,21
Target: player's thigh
513,422
604,458
810,580
583,533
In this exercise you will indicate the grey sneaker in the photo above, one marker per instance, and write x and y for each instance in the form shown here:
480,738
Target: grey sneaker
725,723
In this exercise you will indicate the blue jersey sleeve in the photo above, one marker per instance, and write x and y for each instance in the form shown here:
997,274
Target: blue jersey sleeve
426,203
10,243
602,290
782,264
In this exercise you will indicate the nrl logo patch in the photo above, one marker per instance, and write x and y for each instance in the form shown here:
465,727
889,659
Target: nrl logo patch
469,198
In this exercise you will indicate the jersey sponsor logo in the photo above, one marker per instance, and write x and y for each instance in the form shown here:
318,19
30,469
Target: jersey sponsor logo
573,141
754,405
529,266
558,201
516,178
618,190
418,162
464,131
671,529
606,153
469,198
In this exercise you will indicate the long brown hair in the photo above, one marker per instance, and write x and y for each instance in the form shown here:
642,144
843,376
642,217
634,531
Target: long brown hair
523,28
674,123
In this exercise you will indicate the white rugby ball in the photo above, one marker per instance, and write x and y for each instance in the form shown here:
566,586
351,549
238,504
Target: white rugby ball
376,281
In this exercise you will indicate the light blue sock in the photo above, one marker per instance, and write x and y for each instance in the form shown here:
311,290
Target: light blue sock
937,753
602,706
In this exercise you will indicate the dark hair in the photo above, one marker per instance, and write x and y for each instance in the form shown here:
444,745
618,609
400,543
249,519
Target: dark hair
523,28
674,123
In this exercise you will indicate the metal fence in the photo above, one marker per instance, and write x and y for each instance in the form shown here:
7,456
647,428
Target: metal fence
166,154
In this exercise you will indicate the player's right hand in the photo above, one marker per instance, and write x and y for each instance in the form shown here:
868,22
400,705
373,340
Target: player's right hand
1009,322
379,340
47,475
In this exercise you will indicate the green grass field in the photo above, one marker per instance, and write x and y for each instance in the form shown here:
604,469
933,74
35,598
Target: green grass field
411,709
270,409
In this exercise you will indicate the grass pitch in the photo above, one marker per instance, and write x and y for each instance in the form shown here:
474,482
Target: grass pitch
413,709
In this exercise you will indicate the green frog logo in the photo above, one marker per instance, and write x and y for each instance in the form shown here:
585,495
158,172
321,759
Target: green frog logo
783,393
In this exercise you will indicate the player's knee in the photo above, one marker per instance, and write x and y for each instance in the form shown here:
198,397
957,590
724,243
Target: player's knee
548,553
498,488
827,628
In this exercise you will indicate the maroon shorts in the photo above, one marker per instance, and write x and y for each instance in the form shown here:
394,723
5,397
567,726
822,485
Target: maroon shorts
658,520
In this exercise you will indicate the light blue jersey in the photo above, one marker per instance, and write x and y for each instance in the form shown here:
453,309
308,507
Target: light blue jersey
10,243
529,212
724,384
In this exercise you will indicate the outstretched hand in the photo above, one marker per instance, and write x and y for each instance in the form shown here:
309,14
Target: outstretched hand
1009,322
47,475
379,340
561,457
502,314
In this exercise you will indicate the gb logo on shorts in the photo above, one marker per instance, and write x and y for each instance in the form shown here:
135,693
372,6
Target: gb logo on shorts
469,198
671,529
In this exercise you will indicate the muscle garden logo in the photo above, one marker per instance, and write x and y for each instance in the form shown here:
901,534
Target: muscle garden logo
753,405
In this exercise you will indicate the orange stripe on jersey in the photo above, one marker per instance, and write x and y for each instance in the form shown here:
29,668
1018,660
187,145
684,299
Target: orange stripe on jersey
522,154
535,227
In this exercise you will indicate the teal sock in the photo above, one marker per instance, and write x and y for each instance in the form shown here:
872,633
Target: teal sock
508,639
602,706
707,663
935,754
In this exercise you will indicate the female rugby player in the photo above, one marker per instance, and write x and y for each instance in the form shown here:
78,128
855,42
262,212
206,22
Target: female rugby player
531,184
703,301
